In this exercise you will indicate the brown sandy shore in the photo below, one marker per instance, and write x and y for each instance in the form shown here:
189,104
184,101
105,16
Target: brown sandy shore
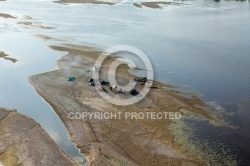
24,142
116,141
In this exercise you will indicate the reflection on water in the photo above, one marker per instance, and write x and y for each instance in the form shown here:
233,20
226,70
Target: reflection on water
17,93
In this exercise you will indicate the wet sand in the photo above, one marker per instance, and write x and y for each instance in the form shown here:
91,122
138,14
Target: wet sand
35,25
157,5
29,23
6,15
6,57
24,142
25,23
137,5
44,37
83,2
153,5
117,141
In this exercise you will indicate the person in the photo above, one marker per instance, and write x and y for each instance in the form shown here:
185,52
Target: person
114,87
94,69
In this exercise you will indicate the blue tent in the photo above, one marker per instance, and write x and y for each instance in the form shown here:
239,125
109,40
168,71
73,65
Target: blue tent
72,79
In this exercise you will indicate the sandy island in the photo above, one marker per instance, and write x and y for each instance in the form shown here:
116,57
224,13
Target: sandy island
24,142
6,15
153,5
6,57
84,2
116,141
35,25
156,4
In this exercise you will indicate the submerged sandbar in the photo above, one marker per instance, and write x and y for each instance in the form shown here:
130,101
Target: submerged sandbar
6,57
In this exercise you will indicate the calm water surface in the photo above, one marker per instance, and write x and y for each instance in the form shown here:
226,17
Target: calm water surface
17,93
203,46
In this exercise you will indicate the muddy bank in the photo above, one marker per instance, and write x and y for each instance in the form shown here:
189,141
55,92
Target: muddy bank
24,142
116,141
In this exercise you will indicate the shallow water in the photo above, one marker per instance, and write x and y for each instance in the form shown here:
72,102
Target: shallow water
203,46
17,93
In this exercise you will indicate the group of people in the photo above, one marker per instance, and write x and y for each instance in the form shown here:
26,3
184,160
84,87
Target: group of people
115,88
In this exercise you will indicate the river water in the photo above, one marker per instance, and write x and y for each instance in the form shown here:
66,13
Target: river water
17,93
203,46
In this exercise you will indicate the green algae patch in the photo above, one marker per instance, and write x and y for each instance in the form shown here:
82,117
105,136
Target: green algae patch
206,149
8,158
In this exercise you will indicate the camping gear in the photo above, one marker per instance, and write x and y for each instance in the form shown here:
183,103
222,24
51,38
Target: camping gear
71,79
143,83
120,90
134,92
104,90
154,87
141,79
104,83
114,87
91,84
